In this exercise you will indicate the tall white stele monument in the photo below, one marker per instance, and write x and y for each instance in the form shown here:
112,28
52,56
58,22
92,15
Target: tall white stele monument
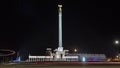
60,53
60,48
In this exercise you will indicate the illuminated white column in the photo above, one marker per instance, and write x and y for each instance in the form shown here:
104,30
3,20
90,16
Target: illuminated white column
60,48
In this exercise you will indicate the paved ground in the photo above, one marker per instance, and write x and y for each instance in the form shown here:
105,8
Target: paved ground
59,65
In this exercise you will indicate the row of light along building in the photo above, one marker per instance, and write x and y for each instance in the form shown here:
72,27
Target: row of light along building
70,57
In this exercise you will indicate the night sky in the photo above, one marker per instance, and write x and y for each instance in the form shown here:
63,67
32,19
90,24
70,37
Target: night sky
31,26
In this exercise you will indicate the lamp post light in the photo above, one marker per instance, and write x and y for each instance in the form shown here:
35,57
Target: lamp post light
117,43
75,50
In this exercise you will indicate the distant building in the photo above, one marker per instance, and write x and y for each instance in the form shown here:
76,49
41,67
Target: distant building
92,57
71,57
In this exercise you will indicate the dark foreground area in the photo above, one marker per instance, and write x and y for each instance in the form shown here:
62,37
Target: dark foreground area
17,65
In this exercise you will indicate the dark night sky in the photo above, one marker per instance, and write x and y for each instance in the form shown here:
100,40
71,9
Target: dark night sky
30,26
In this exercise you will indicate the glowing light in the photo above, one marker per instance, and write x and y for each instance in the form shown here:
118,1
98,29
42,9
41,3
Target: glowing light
60,6
75,50
116,42
117,56
83,59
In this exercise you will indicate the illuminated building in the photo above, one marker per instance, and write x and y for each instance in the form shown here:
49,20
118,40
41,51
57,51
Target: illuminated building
92,57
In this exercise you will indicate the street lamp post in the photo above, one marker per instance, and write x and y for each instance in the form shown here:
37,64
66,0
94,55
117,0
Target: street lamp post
117,43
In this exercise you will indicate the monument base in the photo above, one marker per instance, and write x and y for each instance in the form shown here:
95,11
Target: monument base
60,49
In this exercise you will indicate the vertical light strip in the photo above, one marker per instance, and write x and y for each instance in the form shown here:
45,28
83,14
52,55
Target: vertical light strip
60,25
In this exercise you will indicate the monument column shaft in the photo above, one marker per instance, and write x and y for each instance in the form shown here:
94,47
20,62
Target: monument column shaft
60,25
